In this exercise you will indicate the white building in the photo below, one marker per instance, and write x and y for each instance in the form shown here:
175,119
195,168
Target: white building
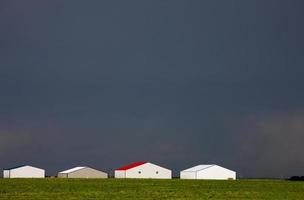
24,171
82,172
143,170
211,172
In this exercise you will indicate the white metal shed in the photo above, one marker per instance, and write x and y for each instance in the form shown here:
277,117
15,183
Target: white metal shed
82,172
143,170
211,172
24,171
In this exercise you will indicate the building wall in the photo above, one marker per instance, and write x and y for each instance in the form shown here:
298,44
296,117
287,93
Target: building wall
26,172
62,175
149,170
6,173
216,173
120,174
87,173
187,175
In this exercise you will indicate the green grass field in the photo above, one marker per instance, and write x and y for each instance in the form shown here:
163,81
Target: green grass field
148,189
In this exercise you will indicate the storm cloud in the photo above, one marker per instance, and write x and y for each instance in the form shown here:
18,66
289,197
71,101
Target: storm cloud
104,83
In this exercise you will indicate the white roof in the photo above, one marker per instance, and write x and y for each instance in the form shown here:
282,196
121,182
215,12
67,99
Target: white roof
203,167
21,166
71,170
198,168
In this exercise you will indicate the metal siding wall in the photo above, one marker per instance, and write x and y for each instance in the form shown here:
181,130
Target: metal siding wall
149,170
216,173
187,175
6,173
120,174
88,173
27,172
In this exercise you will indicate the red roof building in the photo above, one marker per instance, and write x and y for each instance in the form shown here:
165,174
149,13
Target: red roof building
143,170
132,165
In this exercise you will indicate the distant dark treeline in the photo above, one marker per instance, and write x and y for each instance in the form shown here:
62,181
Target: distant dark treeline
297,178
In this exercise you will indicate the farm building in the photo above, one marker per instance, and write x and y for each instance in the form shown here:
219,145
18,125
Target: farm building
212,172
143,170
24,171
82,172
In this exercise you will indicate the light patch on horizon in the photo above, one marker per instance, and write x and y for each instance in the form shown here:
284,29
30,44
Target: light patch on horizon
270,141
13,141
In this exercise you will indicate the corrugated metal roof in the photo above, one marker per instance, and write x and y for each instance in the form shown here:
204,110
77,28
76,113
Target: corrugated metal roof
198,168
132,165
15,167
72,170
20,166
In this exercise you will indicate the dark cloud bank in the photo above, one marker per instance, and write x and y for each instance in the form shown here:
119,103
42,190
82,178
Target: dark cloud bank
104,83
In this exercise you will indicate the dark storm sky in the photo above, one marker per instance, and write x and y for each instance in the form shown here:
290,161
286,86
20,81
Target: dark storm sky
175,82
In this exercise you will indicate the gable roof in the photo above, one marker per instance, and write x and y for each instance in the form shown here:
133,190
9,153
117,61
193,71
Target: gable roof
198,168
203,167
20,166
71,170
132,165
15,167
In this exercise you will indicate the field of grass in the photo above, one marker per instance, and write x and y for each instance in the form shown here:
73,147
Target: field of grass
67,189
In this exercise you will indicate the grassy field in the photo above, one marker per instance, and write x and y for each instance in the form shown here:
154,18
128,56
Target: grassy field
148,189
